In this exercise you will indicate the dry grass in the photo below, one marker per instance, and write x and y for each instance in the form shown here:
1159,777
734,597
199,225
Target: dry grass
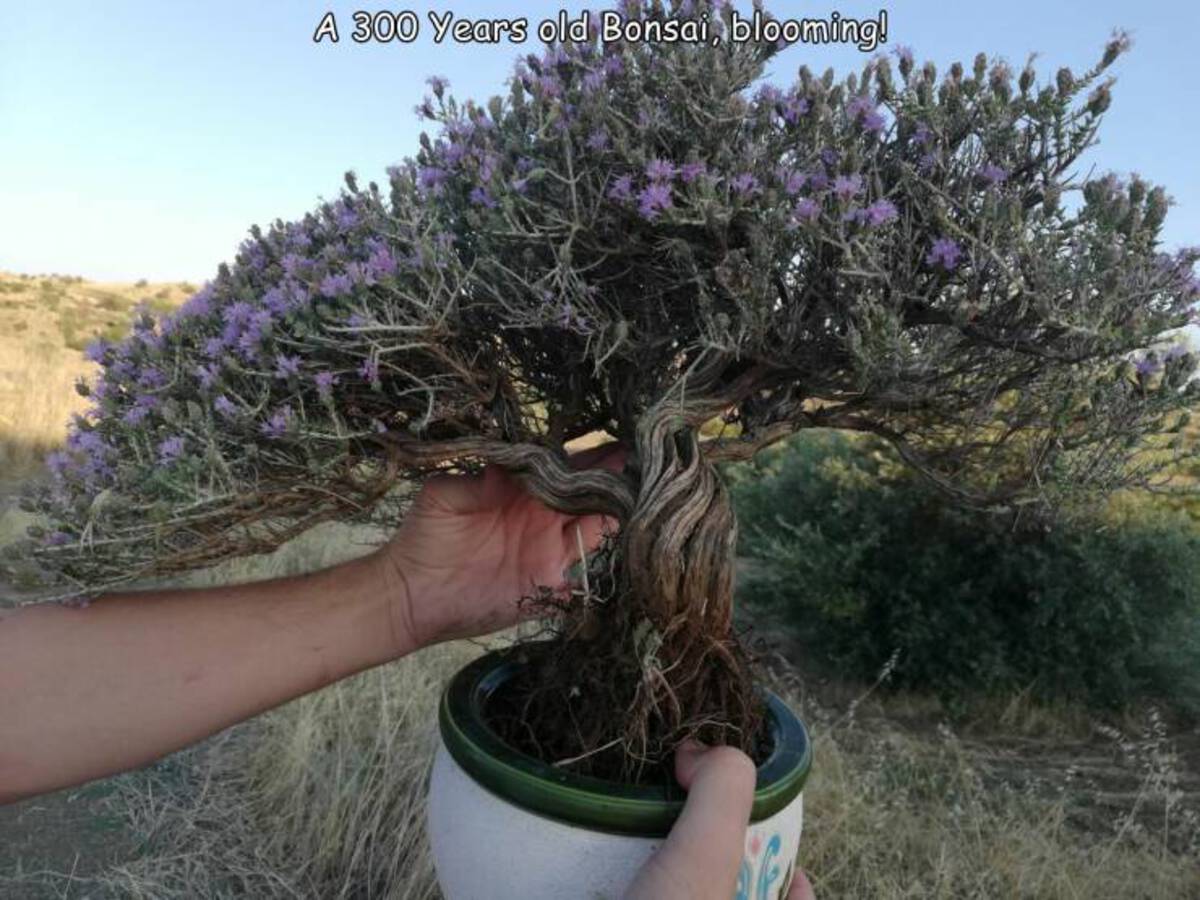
321,798
324,798
37,398
896,813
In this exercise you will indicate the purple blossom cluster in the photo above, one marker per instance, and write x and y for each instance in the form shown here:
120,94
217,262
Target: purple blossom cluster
945,252
863,110
992,174
878,213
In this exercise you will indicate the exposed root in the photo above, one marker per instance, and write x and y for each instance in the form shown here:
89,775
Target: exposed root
646,656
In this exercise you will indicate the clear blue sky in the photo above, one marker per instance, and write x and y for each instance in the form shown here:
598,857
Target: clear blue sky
142,139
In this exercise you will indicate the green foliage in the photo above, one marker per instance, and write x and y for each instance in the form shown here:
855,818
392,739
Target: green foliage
867,564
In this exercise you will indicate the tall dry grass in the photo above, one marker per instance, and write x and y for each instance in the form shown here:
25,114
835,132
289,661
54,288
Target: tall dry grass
324,798
37,398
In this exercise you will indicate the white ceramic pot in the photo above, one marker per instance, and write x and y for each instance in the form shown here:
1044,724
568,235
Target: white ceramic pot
505,826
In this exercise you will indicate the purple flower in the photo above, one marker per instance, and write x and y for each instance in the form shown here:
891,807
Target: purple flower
690,171
794,108
550,86
58,463
225,407
554,56
806,209
279,300
480,197
847,186
593,81
325,382
437,84
214,347
1147,365
944,252
818,181
336,285
346,215
993,174
95,350
768,95
247,345
613,65
170,449
369,371
873,122
745,184
134,415
151,378
56,539
1175,352
904,54
297,293
859,106
287,366
260,323
424,109
660,170
653,199
277,426
381,263
598,140
793,181
520,185
830,157
880,212
293,264
431,179
237,313
487,167
297,237
87,441
927,162
922,136
621,188
451,154
208,375
359,273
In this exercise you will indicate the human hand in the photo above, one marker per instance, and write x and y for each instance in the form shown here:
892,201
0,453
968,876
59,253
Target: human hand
472,545
703,852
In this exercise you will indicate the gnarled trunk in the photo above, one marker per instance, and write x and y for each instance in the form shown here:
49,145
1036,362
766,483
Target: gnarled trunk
648,657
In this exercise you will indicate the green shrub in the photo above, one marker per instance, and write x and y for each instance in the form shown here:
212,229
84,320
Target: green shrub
866,562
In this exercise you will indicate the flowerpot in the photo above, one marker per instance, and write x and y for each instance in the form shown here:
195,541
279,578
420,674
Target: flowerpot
503,824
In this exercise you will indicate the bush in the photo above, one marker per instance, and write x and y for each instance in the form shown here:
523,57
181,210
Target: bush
866,561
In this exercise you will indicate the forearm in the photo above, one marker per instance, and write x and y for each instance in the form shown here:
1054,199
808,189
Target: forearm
86,693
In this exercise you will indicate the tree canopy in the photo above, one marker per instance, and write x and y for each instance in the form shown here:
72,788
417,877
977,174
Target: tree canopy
647,233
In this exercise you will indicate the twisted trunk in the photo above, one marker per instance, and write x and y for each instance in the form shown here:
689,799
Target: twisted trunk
676,553
646,656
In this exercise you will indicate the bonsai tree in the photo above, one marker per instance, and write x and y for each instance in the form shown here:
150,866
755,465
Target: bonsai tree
645,240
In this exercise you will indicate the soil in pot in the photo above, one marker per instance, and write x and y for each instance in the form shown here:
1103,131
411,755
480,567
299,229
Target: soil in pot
506,714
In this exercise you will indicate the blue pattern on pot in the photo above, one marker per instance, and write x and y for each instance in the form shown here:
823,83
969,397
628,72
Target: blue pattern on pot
768,871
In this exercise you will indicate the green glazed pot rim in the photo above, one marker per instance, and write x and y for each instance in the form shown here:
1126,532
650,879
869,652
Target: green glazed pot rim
584,801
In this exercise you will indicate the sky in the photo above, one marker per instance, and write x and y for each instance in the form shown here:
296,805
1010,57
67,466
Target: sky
143,139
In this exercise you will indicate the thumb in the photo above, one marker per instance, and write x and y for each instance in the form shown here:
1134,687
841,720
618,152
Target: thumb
703,852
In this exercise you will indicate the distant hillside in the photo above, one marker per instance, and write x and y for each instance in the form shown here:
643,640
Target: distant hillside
69,311
45,322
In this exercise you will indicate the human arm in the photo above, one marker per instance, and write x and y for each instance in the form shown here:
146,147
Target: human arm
86,693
